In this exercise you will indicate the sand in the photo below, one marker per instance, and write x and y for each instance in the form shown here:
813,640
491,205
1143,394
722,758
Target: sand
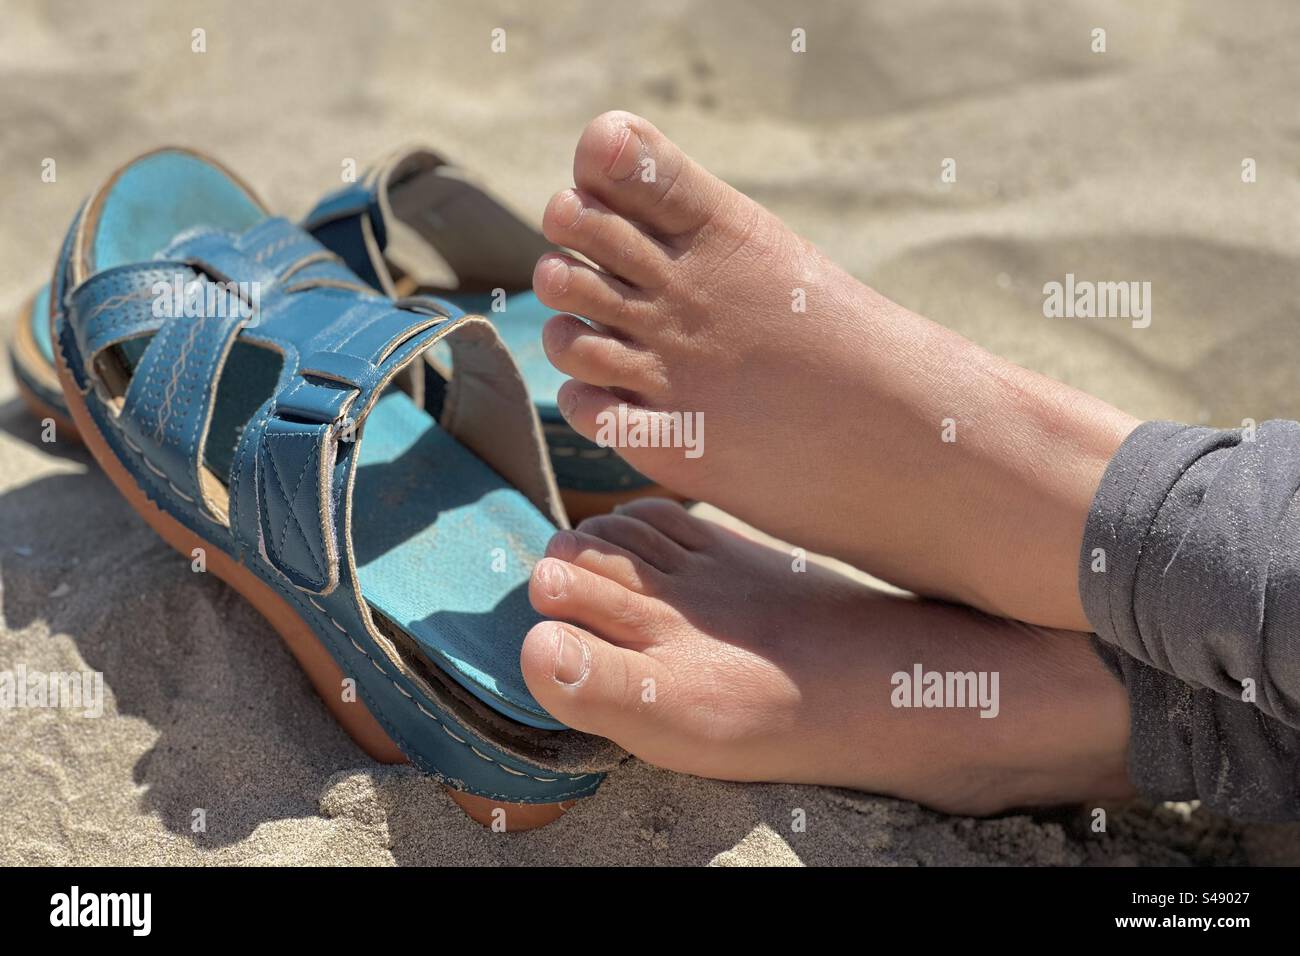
1123,165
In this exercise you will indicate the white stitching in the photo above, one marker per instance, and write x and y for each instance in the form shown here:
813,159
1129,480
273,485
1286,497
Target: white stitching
152,467
459,740
277,245
113,302
173,382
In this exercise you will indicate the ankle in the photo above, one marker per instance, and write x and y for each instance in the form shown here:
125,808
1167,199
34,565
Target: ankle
1030,452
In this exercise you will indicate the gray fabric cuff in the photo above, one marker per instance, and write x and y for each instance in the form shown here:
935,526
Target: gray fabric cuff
1190,575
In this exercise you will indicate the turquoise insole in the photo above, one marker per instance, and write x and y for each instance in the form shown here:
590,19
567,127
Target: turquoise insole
156,198
444,548
520,325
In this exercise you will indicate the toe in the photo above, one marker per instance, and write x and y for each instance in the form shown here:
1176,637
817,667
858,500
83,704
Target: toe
596,357
583,223
672,520
585,406
604,558
641,174
567,285
645,541
565,592
607,418
588,683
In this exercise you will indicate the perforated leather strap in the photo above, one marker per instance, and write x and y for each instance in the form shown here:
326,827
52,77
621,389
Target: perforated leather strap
120,304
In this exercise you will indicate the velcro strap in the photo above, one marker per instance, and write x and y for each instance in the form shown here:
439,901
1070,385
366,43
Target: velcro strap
297,502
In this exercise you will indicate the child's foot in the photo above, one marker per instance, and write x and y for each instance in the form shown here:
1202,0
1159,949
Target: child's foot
704,652
832,416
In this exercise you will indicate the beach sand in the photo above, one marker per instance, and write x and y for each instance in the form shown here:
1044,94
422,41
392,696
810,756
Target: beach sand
1123,165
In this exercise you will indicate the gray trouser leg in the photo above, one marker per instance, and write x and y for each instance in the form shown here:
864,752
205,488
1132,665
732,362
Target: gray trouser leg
1190,575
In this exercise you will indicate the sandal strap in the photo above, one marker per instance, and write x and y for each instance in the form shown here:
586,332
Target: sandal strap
122,303
350,220
118,304
275,254
170,397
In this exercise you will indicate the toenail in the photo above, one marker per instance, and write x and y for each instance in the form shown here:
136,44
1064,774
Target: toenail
568,209
557,275
572,659
553,576
627,155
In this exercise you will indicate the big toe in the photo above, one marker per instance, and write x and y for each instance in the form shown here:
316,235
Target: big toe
588,683
640,173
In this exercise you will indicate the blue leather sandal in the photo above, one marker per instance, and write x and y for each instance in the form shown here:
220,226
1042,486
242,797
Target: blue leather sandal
415,224
251,398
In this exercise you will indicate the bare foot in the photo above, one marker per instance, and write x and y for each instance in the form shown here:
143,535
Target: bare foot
706,653
828,427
